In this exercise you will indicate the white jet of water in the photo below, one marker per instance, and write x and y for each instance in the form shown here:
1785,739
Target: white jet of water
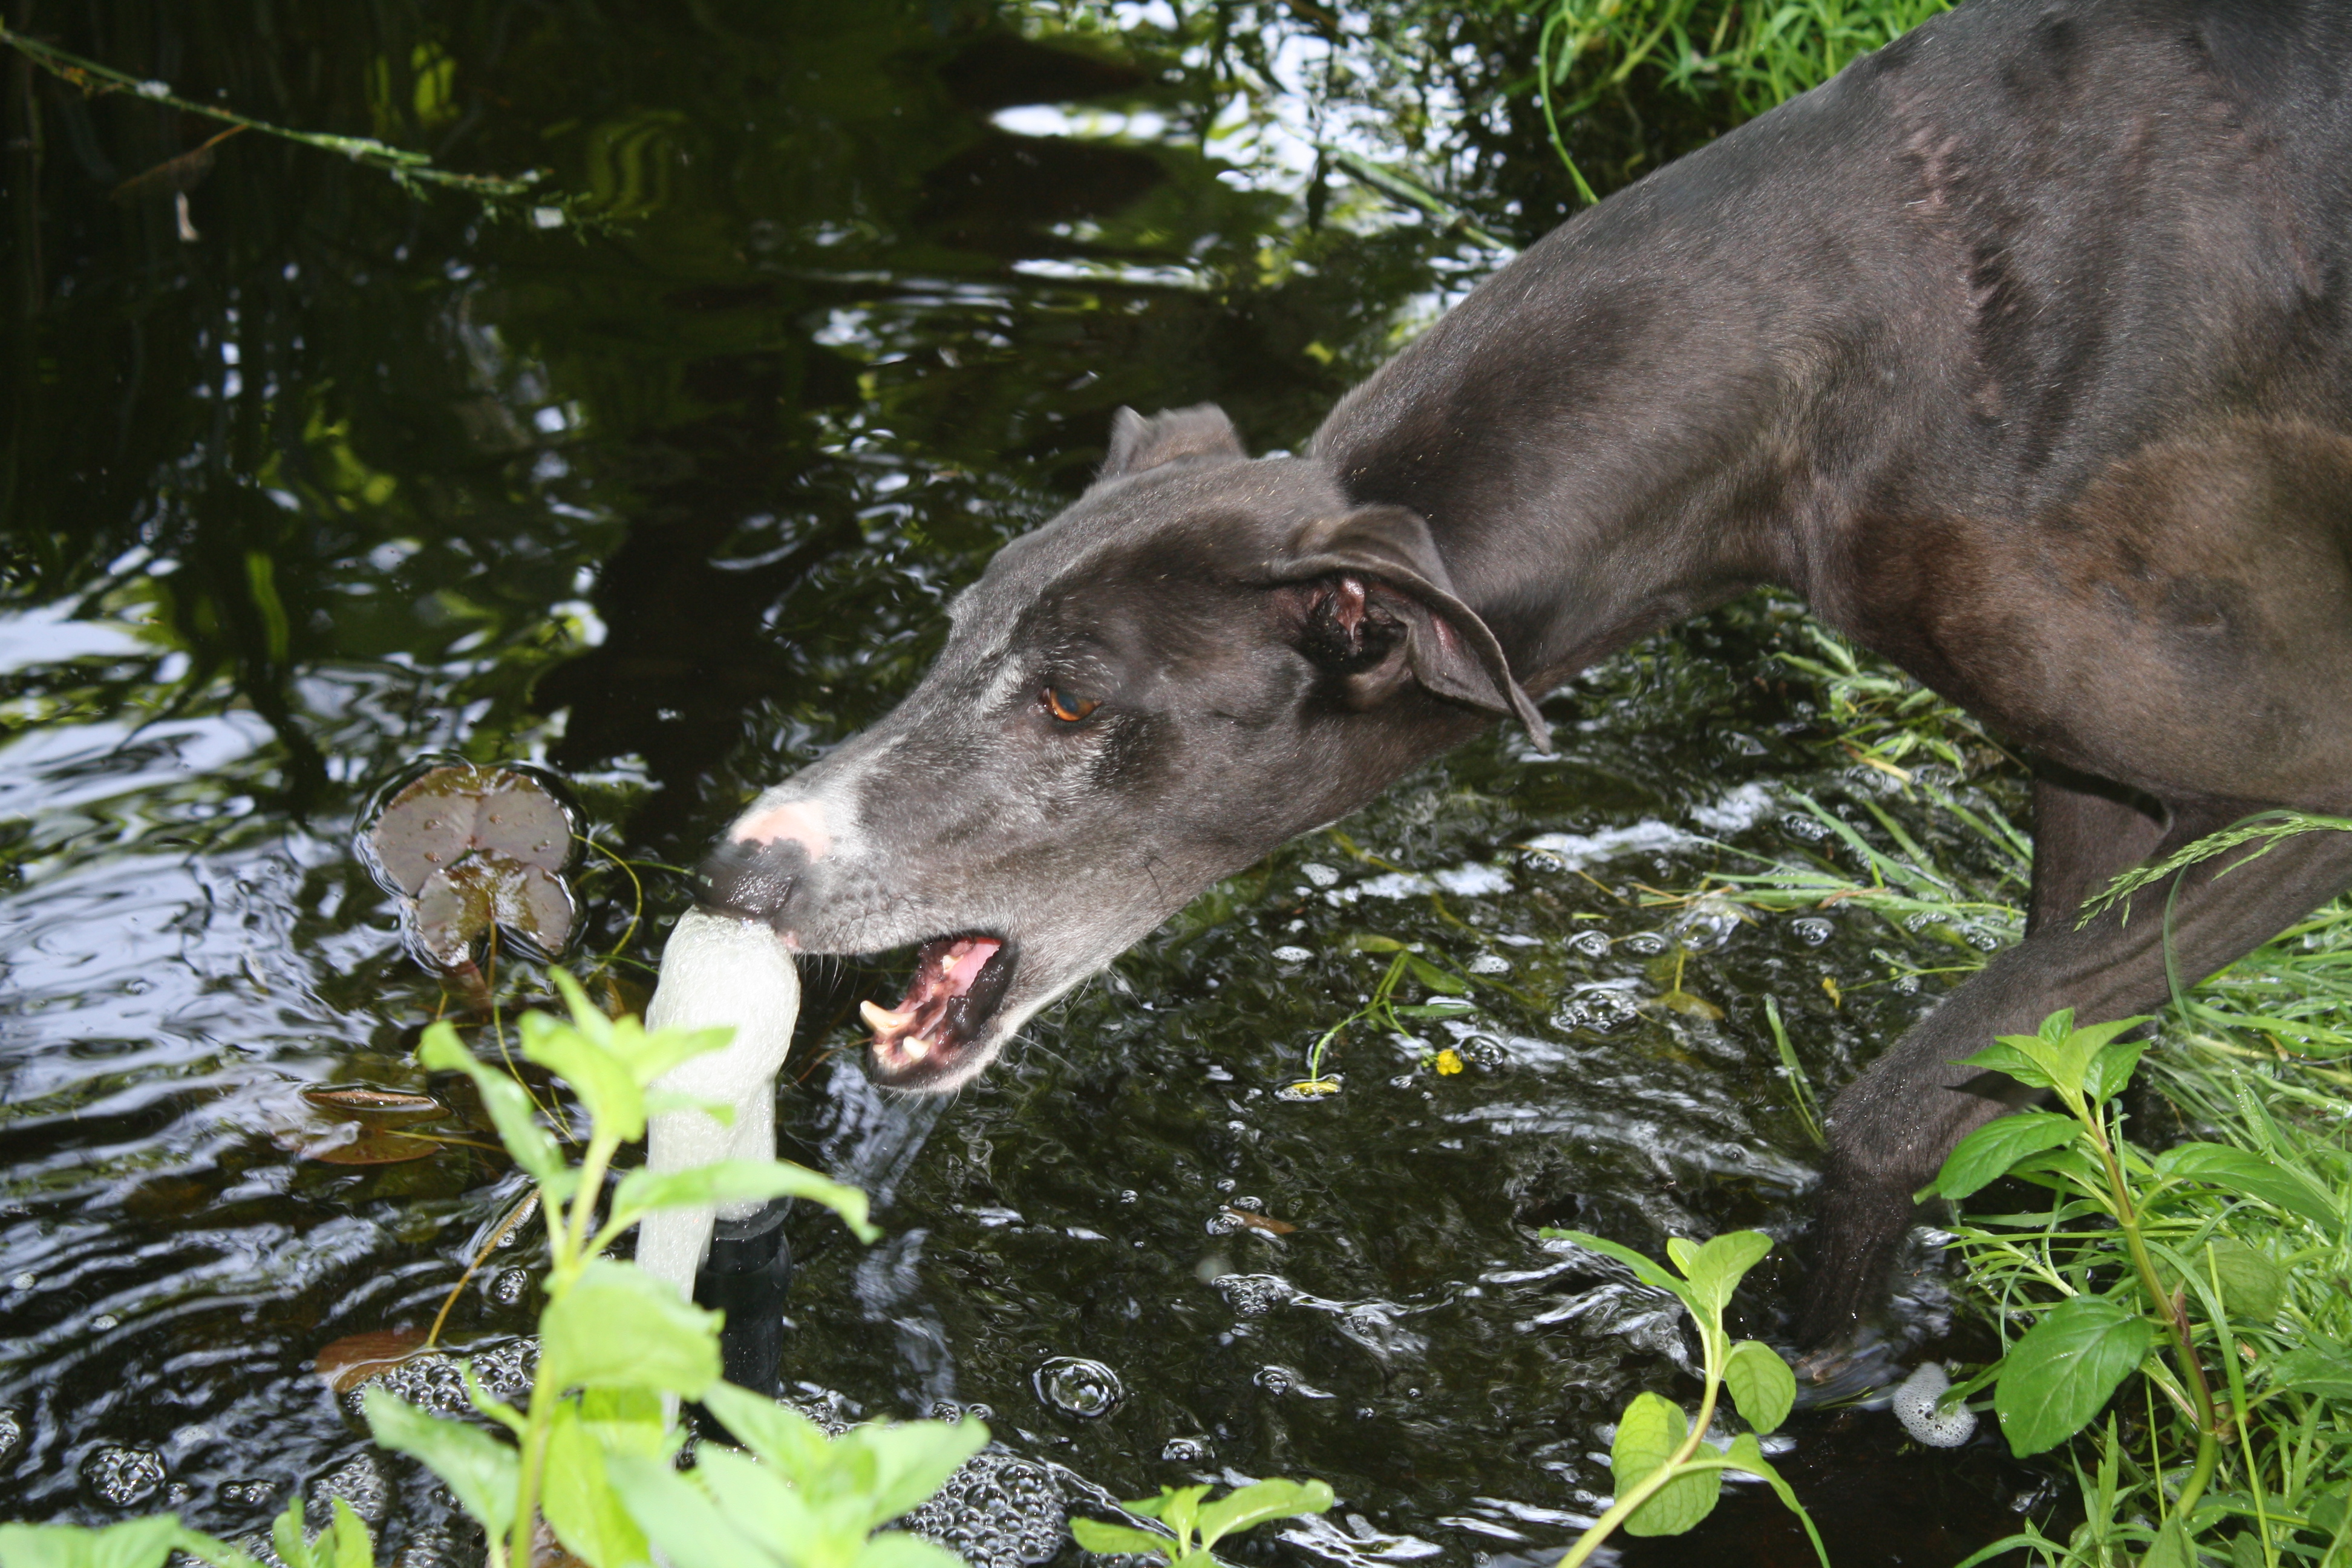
716,970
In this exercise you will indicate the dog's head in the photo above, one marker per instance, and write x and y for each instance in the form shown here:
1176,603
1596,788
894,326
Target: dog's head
1203,657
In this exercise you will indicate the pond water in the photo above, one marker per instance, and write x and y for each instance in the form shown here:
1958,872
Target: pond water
310,481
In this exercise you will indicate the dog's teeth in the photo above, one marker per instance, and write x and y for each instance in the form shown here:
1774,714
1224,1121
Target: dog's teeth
915,1047
883,1020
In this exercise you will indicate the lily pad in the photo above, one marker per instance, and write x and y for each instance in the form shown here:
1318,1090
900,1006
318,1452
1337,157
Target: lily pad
444,816
472,849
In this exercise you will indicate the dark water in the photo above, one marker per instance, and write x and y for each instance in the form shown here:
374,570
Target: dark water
349,479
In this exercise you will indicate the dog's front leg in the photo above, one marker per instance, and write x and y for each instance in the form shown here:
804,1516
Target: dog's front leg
1892,1127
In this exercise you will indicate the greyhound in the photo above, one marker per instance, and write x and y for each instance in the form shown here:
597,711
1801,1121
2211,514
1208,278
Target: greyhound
2021,349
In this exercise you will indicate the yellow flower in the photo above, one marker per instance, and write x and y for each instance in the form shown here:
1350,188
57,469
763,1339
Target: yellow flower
1447,1062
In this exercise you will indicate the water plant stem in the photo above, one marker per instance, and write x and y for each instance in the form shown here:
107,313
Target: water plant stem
1621,1507
2169,1306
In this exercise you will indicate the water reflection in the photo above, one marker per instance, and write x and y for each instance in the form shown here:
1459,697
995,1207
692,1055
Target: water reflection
670,507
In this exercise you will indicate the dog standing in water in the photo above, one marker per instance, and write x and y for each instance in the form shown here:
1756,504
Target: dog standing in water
2022,351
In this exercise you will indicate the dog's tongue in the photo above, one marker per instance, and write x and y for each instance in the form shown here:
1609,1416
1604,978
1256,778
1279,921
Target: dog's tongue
944,972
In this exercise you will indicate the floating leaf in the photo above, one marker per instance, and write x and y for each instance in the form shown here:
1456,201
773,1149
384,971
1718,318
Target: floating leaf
2253,1286
387,1105
474,848
1255,1221
1690,1005
428,827
351,1361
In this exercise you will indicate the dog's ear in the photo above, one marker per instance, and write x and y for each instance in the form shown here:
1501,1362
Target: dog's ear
1137,443
1382,609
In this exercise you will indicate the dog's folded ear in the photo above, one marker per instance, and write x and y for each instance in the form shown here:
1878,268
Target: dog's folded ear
1388,578
1200,431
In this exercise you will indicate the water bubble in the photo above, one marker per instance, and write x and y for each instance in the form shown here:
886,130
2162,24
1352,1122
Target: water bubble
248,1493
1812,930
1805,827
1186,1451
1081,1387
104,1322
123,1476
1321,876
1126,1194
511,1287
1276,1380
1648,943
997,1510
1601,1008
358,1481
12,1434
24,1282
1915,1406
1589,944
1489,963
1291,955
1254,1294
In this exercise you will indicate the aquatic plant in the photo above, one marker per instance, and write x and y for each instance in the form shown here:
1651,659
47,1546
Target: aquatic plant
1668,1478
1180,1509
594,1451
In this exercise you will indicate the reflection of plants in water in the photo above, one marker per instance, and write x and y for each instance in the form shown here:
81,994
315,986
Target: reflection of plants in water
410,169
1667,1478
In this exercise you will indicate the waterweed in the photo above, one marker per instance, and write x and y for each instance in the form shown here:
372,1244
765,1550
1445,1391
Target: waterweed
593,1453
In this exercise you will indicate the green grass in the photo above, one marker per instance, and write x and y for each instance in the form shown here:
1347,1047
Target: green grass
2257,1059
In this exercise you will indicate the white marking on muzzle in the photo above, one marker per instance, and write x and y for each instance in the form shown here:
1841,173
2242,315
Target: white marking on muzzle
801,822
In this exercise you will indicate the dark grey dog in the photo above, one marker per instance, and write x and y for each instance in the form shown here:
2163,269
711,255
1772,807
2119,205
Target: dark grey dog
2021,350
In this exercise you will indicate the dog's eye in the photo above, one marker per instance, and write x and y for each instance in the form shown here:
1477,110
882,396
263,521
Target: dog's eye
1065,707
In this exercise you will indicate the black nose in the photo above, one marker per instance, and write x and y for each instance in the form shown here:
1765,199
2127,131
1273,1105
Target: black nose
748,880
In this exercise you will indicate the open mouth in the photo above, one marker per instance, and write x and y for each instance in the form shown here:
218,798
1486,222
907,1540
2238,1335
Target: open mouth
959,982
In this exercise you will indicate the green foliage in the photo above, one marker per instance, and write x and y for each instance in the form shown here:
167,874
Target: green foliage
1666,1481
1757,55
2242,1226
593,1453
1180,1509
2209,1270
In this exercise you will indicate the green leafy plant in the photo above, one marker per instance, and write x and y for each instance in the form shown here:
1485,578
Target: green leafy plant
1449,998
1667,1478
1182,1511
593,1453
2179,1267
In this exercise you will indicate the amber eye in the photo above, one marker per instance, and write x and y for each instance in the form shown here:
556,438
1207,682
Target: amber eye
1068,709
